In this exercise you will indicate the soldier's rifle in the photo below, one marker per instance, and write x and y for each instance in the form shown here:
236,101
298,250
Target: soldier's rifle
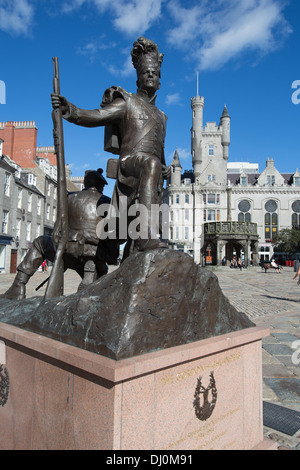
56,279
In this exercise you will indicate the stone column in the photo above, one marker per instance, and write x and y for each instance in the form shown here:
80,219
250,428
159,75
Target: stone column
220,246
229,191
246,245
255,253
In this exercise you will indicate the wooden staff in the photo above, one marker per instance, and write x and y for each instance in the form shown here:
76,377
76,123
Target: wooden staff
56,281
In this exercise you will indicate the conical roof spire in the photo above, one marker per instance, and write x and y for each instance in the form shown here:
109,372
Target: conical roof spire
225,112
176,161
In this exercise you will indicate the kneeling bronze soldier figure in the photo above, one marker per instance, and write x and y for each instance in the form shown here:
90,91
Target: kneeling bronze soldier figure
84,253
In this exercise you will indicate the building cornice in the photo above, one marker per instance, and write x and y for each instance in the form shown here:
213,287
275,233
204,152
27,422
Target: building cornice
269,191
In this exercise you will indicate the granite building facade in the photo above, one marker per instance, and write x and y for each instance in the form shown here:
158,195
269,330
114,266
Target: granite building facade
221,209
28,191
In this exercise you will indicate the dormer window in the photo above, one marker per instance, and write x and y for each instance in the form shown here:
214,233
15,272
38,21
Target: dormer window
244,180
271,180
32,179
296,178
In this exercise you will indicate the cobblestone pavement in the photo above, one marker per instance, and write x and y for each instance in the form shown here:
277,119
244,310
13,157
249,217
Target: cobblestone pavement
272,300
269,299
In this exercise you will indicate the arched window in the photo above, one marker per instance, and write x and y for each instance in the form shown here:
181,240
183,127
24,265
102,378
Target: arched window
296,215
271,220
244,217
244,208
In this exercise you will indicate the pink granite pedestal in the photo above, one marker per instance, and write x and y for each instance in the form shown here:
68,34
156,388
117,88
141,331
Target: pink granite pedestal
62,397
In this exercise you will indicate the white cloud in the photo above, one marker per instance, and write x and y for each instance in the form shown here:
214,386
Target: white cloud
188,23
125,71
68,5
93,47
173,99
222,31
131,17
16,16
74,167
183,154
136,16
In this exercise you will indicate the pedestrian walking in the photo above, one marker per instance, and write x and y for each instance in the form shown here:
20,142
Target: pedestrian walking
297,275
44,265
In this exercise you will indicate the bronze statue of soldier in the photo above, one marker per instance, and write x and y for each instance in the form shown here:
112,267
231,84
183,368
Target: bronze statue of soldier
84,253
139,127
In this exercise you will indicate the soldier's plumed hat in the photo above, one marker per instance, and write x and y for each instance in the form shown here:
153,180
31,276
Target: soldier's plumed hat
145,50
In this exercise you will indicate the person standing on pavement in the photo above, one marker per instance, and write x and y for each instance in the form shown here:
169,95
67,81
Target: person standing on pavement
297,274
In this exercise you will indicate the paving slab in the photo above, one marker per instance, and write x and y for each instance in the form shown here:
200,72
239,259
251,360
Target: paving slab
287,389
276,371
279,349
285,337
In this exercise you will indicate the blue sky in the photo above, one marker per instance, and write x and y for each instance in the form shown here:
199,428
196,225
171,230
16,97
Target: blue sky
246,53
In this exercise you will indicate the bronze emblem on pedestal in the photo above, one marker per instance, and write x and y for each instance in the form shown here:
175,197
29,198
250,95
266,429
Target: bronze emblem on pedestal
4,385
205,398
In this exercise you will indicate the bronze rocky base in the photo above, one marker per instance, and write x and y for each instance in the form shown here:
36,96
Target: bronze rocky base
155,300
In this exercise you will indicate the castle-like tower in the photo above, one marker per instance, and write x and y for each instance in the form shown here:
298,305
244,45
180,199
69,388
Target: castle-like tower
199,195
197,104
209,145
225,125
222,209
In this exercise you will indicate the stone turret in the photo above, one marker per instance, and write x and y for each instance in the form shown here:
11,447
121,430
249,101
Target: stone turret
176,170
225,123
197,104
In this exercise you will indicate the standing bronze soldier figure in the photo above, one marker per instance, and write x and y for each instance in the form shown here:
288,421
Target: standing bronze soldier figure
140,129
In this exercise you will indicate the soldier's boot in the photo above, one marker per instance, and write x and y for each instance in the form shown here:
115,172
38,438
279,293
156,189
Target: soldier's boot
33,259
17,290
89,275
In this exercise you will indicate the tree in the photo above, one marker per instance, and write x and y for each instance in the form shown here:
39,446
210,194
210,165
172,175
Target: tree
288,240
